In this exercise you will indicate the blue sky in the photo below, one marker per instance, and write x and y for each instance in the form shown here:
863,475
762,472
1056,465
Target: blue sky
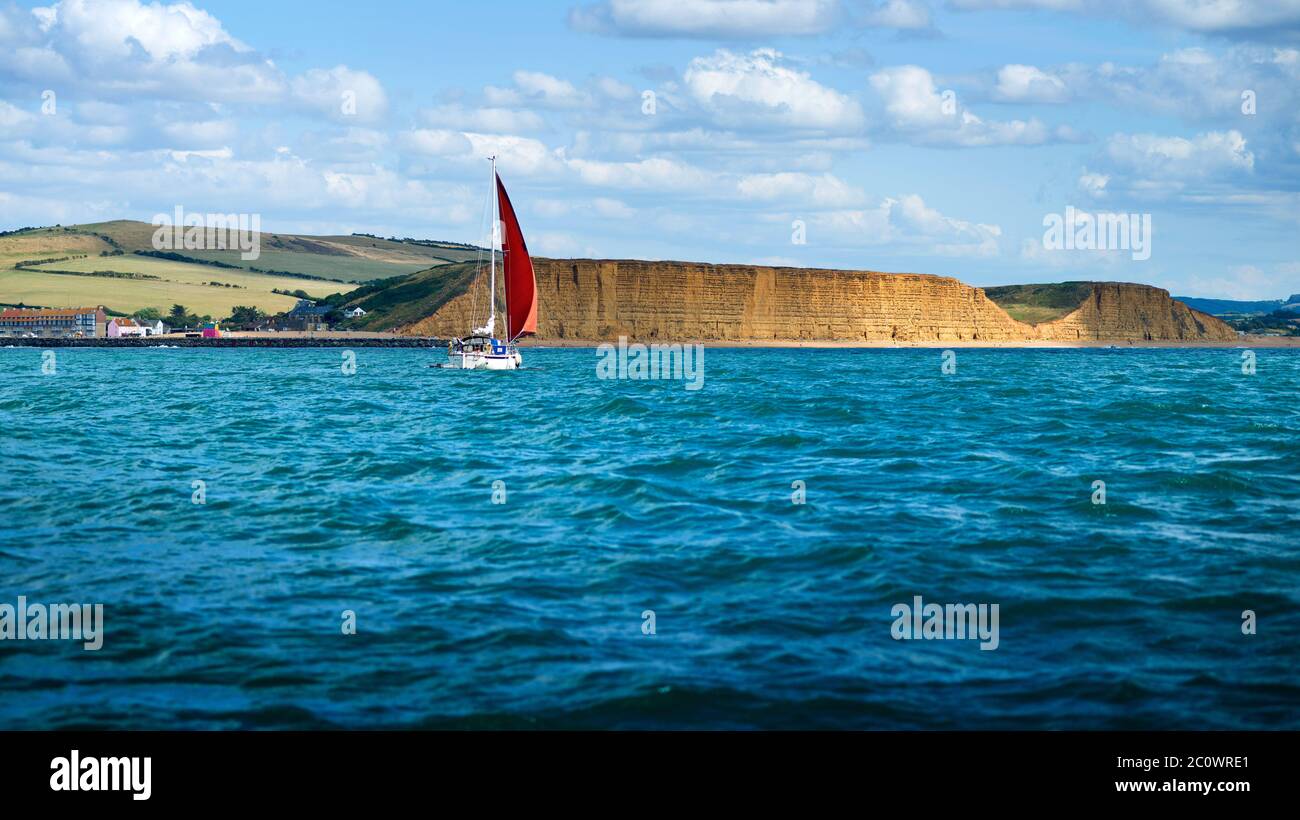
903,135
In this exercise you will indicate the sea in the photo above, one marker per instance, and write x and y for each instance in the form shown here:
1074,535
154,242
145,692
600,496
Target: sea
296,539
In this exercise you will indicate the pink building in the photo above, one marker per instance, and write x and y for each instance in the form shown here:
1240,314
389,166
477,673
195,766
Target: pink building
120,327
212,330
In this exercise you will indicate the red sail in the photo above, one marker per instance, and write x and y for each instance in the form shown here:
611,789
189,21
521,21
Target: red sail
521,285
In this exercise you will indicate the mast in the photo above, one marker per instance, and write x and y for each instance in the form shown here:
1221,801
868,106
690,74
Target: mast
505,270
492,250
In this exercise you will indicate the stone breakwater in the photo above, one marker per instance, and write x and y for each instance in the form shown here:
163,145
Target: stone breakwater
604,299
229,342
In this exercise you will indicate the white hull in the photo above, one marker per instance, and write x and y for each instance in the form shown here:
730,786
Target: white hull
477,360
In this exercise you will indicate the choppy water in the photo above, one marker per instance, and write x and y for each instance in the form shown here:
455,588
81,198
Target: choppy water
373,493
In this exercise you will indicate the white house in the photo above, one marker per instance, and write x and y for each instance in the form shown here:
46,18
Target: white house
355,313
124,326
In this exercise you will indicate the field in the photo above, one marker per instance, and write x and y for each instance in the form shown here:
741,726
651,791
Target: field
178,283
339,268
1033,314
335,263
1035,304
42,245
343,258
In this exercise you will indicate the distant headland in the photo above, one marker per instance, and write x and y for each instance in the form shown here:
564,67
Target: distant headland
417,288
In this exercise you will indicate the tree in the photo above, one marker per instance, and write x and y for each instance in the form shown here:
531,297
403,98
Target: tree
179,314
149,314
245,315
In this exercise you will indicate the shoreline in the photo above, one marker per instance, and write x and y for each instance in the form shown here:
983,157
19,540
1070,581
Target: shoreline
358,339
1240,342
232,342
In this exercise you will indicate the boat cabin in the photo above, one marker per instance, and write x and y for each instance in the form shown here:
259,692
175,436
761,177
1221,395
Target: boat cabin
480,344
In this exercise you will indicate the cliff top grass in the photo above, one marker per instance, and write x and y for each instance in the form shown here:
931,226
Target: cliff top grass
407,299
1035,304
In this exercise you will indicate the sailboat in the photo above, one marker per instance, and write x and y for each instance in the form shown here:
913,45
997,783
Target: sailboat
483,349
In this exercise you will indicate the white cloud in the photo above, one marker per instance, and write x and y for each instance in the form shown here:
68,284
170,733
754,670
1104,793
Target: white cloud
527,157
101,112
614,89
909,225
755,89
823,191
1078,260
744,19
12,118
1196,84
1155,157
341,94
111,30
602,101
973,5
436,142
656,173
1227,17
1094,185
126,50
1027,83
600,206
911,99
535,88
516,155
200,134
612,208
905,15
491,120
721,19
917,111
214,153
33,64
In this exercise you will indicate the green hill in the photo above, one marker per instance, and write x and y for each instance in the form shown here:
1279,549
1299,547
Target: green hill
115,264
401,301
341,258
1235,307
1035,304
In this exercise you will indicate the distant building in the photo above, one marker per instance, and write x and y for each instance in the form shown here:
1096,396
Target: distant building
355,313
51,323
212,330
306,315
125,327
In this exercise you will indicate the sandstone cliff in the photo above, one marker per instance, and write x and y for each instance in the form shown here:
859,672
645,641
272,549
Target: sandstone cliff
603,299
1122,312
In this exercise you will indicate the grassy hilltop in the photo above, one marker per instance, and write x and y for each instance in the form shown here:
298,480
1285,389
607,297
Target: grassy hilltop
101,264
1035,304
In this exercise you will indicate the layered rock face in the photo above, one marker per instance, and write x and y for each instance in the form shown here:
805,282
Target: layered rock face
1123,312
603,299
